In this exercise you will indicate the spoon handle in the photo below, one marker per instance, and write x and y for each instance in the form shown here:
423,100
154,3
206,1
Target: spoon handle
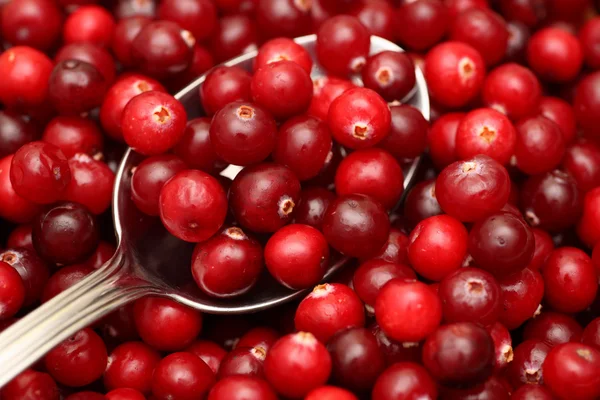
27,340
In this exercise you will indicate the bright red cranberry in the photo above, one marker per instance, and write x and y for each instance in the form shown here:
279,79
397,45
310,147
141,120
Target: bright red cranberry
165,324
331,392
235,34
20,236
404,380
15,131
356,225
13,207
586,104
591,334
421,24
502,344
372,275
311,208
197,16
26,72
459,353
211,353
33,23
588,36
131,365
247,361
555,54
33,271
529,12
502,243
553,329
63,279
420,203
31,385
228,264
561,113
551,201
540,145
455,73
587,228
12,292
325,91
582,162
420,306
101,255
359,118
92,24
238,387
522,294
124,394
119,326
303,145
95,55
263,197
343,45
195,148
543,247
532,392
394,250
125,32
74,135
571,371
391,74
224,85
259,337
181,376
243,133
91,183
438,246
407,138
289,18
79,360
441,139
297,364
282,49
76,87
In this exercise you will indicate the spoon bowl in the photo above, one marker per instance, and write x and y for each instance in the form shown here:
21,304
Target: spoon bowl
150,261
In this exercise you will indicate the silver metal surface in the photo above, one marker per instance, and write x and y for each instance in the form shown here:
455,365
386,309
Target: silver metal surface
149,260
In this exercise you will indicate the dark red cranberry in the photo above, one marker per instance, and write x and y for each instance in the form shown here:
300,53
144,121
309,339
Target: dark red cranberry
289,18
211,353
132,8
587,228
13,207
540,145
376,16
343,45
92,24
63,279
532,392
20,236
372,275
518,36
181,376
421,24
588,36
404,380
125,32
197,16
124,394
421,203
312,206
571,371
587,104
529,12
441,139
325,90
15,131
282,49
551,201
95,55
502,344
131,365
91,183
86,395
582,162
34,272
103,253
238,386
454,71
247,361
394,351
407,138
224,85
74,135
202,61
553,329
522,294
12,292
149,178
235,34
389,73
555,54
591,334
31,385
543,247
33,23
76,87
297,364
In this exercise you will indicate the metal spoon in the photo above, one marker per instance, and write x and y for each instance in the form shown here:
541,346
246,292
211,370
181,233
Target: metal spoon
149,261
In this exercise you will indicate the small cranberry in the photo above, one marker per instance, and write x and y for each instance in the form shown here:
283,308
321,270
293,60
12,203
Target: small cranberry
591,334
31,385
33,271
181,376
20,236
197,16
518,37
25,72
224,85
92,24
555,54
586,104
587,228
396,351
133,8
588,35
259,337
582,162
529,12
441,139
13,207
376,16
124,394
91,183
543,247
12,291
394,250
33,23
391,74
571,371
421,24
76,87
241,387
325,90
297,364
343,45
522,294
63,279
282,49
502,344
15,131
372,275
125,32
420,203
532,392
404,380
311,208
235,34
553,329
407,138
561,113
74,135
331,392
540,145
210,352
247,361
289,18
131,365
195,148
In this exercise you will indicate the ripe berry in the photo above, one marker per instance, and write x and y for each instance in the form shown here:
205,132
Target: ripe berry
30,381
33,23
74,135
76,87
311,208
553,328
197,16
420,25
404,379
582,161
331,392
238,386
281,49
391,74
522,294
246,361
63,279
408,133
131,365
181,376
325,90
211,353
587,228
12,292
93,24
555,54
571,371
441,139
342,45
540,145
421,203
224,85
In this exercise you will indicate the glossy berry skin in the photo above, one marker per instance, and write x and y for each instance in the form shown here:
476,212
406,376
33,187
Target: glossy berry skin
125,32
181,376
259,337
297,364
238,387
195,148
472,189
303,144
40,172
63,279
561,113
571,371
502,243
522,293
532,392
372,275
356,225
33,23
153,122
79,360
540,145
488,132
224,85
342,45
543,247
15,131
263,197
359,118
74,135
283,18
32,269
246,361
20,237
441,139
470,295
404,380
31,385
419,305
243,133
281,49
389,73
228,264
421,203
211,353
12,291
586,103
13,207
587,228
555,54
421,25
325,90
76,87
234,35
582,162
503,345
587,36
407,138
98,56
92,24
372,172
297,256
91,183
430,251
553,329
124,394
591,334
459,353
527,364
330,392
312,206
197,16
131,365
201,213
570,280
148,179
166,325
455,72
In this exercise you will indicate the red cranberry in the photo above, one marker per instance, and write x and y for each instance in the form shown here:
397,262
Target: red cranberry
91,183
532,392
522,293
33,23
561,113
63,279
540,145
420,203
331,392
502,344
356,225
297,364
582,162
131,365
15,131
394,250
311,208
211,353
543,247
588,36
197,16
555,54
20,236
421,24
325,91
181,376
518,36
86,395
13,207
438,246
235,34
165,324
132,8
240,387
124,394
587,228
243,133
195,148
460,353
530,12
571,371
76,87
420,306
95,55
404,380
407,138
263,197
26,72
259,337
92,24
74,135
391,74
12,292
342,45
553,329
455,72
224,85
247,361
79,360
289,18
31,268
586,104
376,16
372,275
125,32
495,388
591,334
31,385
282,49
441,139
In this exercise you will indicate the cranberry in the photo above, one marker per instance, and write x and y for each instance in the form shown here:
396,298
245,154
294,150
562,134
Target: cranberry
224,85
518,36
591,334
391,74
343,45
404,380
297,364
540,145
407,138
394,351
529,12
421,24
441,139
356,225
31,268
86,395
124,394
26,72
181,376
586,104
165,324
459,353
240,387
532,392
63,279
117,98
92,24
259,337
131,365
395,248
20,237
132,8
74,135
34,23
125,32
571,371
13,207
325,90
247,361
372,275
91,184
76,87
311,208
235,34
376,16
331,392
502,344
553,328
522,293
588,35
211,353
455,73
12,292
31,385
281,49
582,162
79,360
420,203
289,18
15,131
197,16
526,367
493,388
420,306
587,228
543,247
95,55
555,54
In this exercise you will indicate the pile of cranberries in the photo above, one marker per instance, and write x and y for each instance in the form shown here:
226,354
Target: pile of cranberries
478,281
